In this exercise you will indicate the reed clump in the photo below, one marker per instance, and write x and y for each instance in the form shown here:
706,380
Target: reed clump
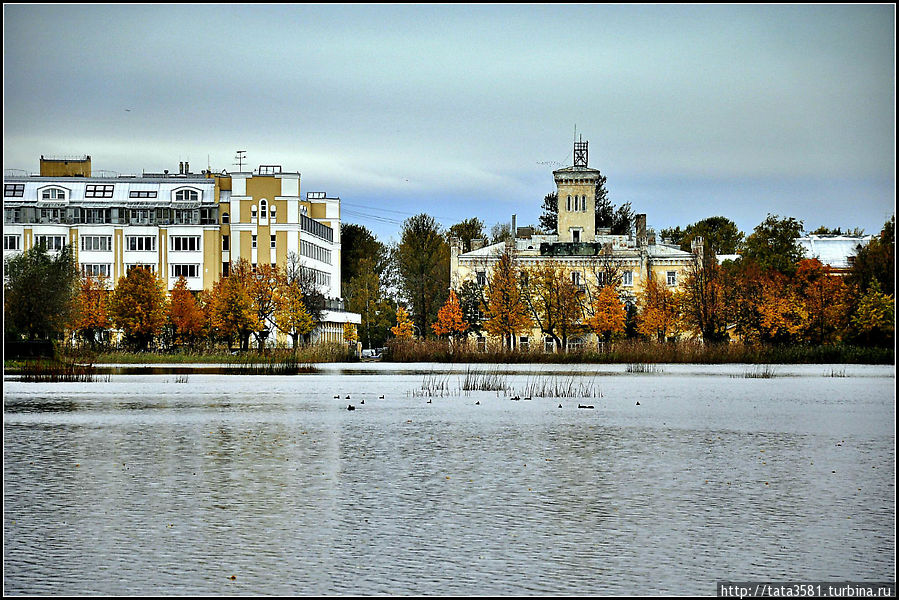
56,371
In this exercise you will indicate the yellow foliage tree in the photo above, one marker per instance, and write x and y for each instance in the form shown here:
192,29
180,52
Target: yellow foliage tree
659,315
449,318
506,308
349,333
554,301
138,306
403,329
291,315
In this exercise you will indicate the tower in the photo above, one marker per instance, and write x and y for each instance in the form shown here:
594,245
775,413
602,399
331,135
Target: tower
576,189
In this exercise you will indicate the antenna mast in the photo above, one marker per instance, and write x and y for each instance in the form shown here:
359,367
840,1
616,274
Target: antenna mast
239,158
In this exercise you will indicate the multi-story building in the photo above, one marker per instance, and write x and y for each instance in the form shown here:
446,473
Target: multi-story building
586,253
186,224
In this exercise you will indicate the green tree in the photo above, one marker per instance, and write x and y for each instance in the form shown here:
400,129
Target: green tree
876,261
356,243
39,292
364,296
773,244
138,307
720,235
549,218
467,230
423,263
873,321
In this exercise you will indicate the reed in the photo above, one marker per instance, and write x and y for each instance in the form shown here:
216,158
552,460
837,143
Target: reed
56,371
760,372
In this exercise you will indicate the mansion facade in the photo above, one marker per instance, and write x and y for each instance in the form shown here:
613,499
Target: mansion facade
185,224
587,254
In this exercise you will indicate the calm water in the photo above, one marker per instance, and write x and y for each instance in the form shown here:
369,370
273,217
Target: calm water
226,484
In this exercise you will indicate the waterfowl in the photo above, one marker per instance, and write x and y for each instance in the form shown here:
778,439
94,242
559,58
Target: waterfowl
337,396
429,400
362,401
347,396
638,403
350,407
560,405
585,406
381,397
478,403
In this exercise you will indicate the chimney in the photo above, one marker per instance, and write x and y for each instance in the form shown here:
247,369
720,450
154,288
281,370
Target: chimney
514,228
640,225
186,167
180,168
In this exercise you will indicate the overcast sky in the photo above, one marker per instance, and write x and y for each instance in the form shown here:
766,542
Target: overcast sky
464,110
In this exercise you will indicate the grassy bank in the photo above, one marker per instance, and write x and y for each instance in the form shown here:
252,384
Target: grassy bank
319,353
641,352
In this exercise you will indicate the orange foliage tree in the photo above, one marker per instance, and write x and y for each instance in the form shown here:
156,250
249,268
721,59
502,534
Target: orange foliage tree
230,306
554,301
506,308
91,316
185,314
659,315
138,306
826,302
449,318
608,316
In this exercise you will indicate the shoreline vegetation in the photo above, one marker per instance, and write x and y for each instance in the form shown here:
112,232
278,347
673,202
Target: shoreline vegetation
76,365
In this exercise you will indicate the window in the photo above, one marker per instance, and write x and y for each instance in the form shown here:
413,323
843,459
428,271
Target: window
131,267
141,194
13,190
263,209
576,343
96,243
186,196
482,278
576,278
253,245
524,343
548,344
186,217
273,242
583,203
253,214
98,191
188,271
50,242
313,251
53,194
12,215
95,215
226,218
185,243
95,270
140,243
12,242
140,216
568,204
273,211
672,277
575,235
226,269
226,243
51,215
482,344
627,278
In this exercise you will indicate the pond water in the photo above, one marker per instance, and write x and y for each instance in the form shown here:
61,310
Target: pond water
202,483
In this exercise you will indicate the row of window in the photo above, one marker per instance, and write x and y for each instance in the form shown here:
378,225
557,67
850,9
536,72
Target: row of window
577,204
627,278
313,251
189,271
17,190
524,343
112,216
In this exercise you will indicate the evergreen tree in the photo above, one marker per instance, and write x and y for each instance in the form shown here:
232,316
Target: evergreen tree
39,292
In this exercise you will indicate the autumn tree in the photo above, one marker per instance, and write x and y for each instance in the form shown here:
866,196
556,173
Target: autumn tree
313,297
350,335
39,291
873,322
91,315
703,298
449,319
404,326
659,315
138,307
826,300
876,261
185,314
506,308
554,301
608,314
230,306
782,312
290,315
263,284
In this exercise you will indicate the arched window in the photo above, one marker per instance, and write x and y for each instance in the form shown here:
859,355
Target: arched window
584,203
253,214
263,209
53,193
186,195
226,218
568,205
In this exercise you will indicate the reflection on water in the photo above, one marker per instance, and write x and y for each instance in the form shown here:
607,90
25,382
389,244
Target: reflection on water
268,485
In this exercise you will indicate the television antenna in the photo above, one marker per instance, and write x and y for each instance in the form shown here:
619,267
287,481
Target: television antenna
240,158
